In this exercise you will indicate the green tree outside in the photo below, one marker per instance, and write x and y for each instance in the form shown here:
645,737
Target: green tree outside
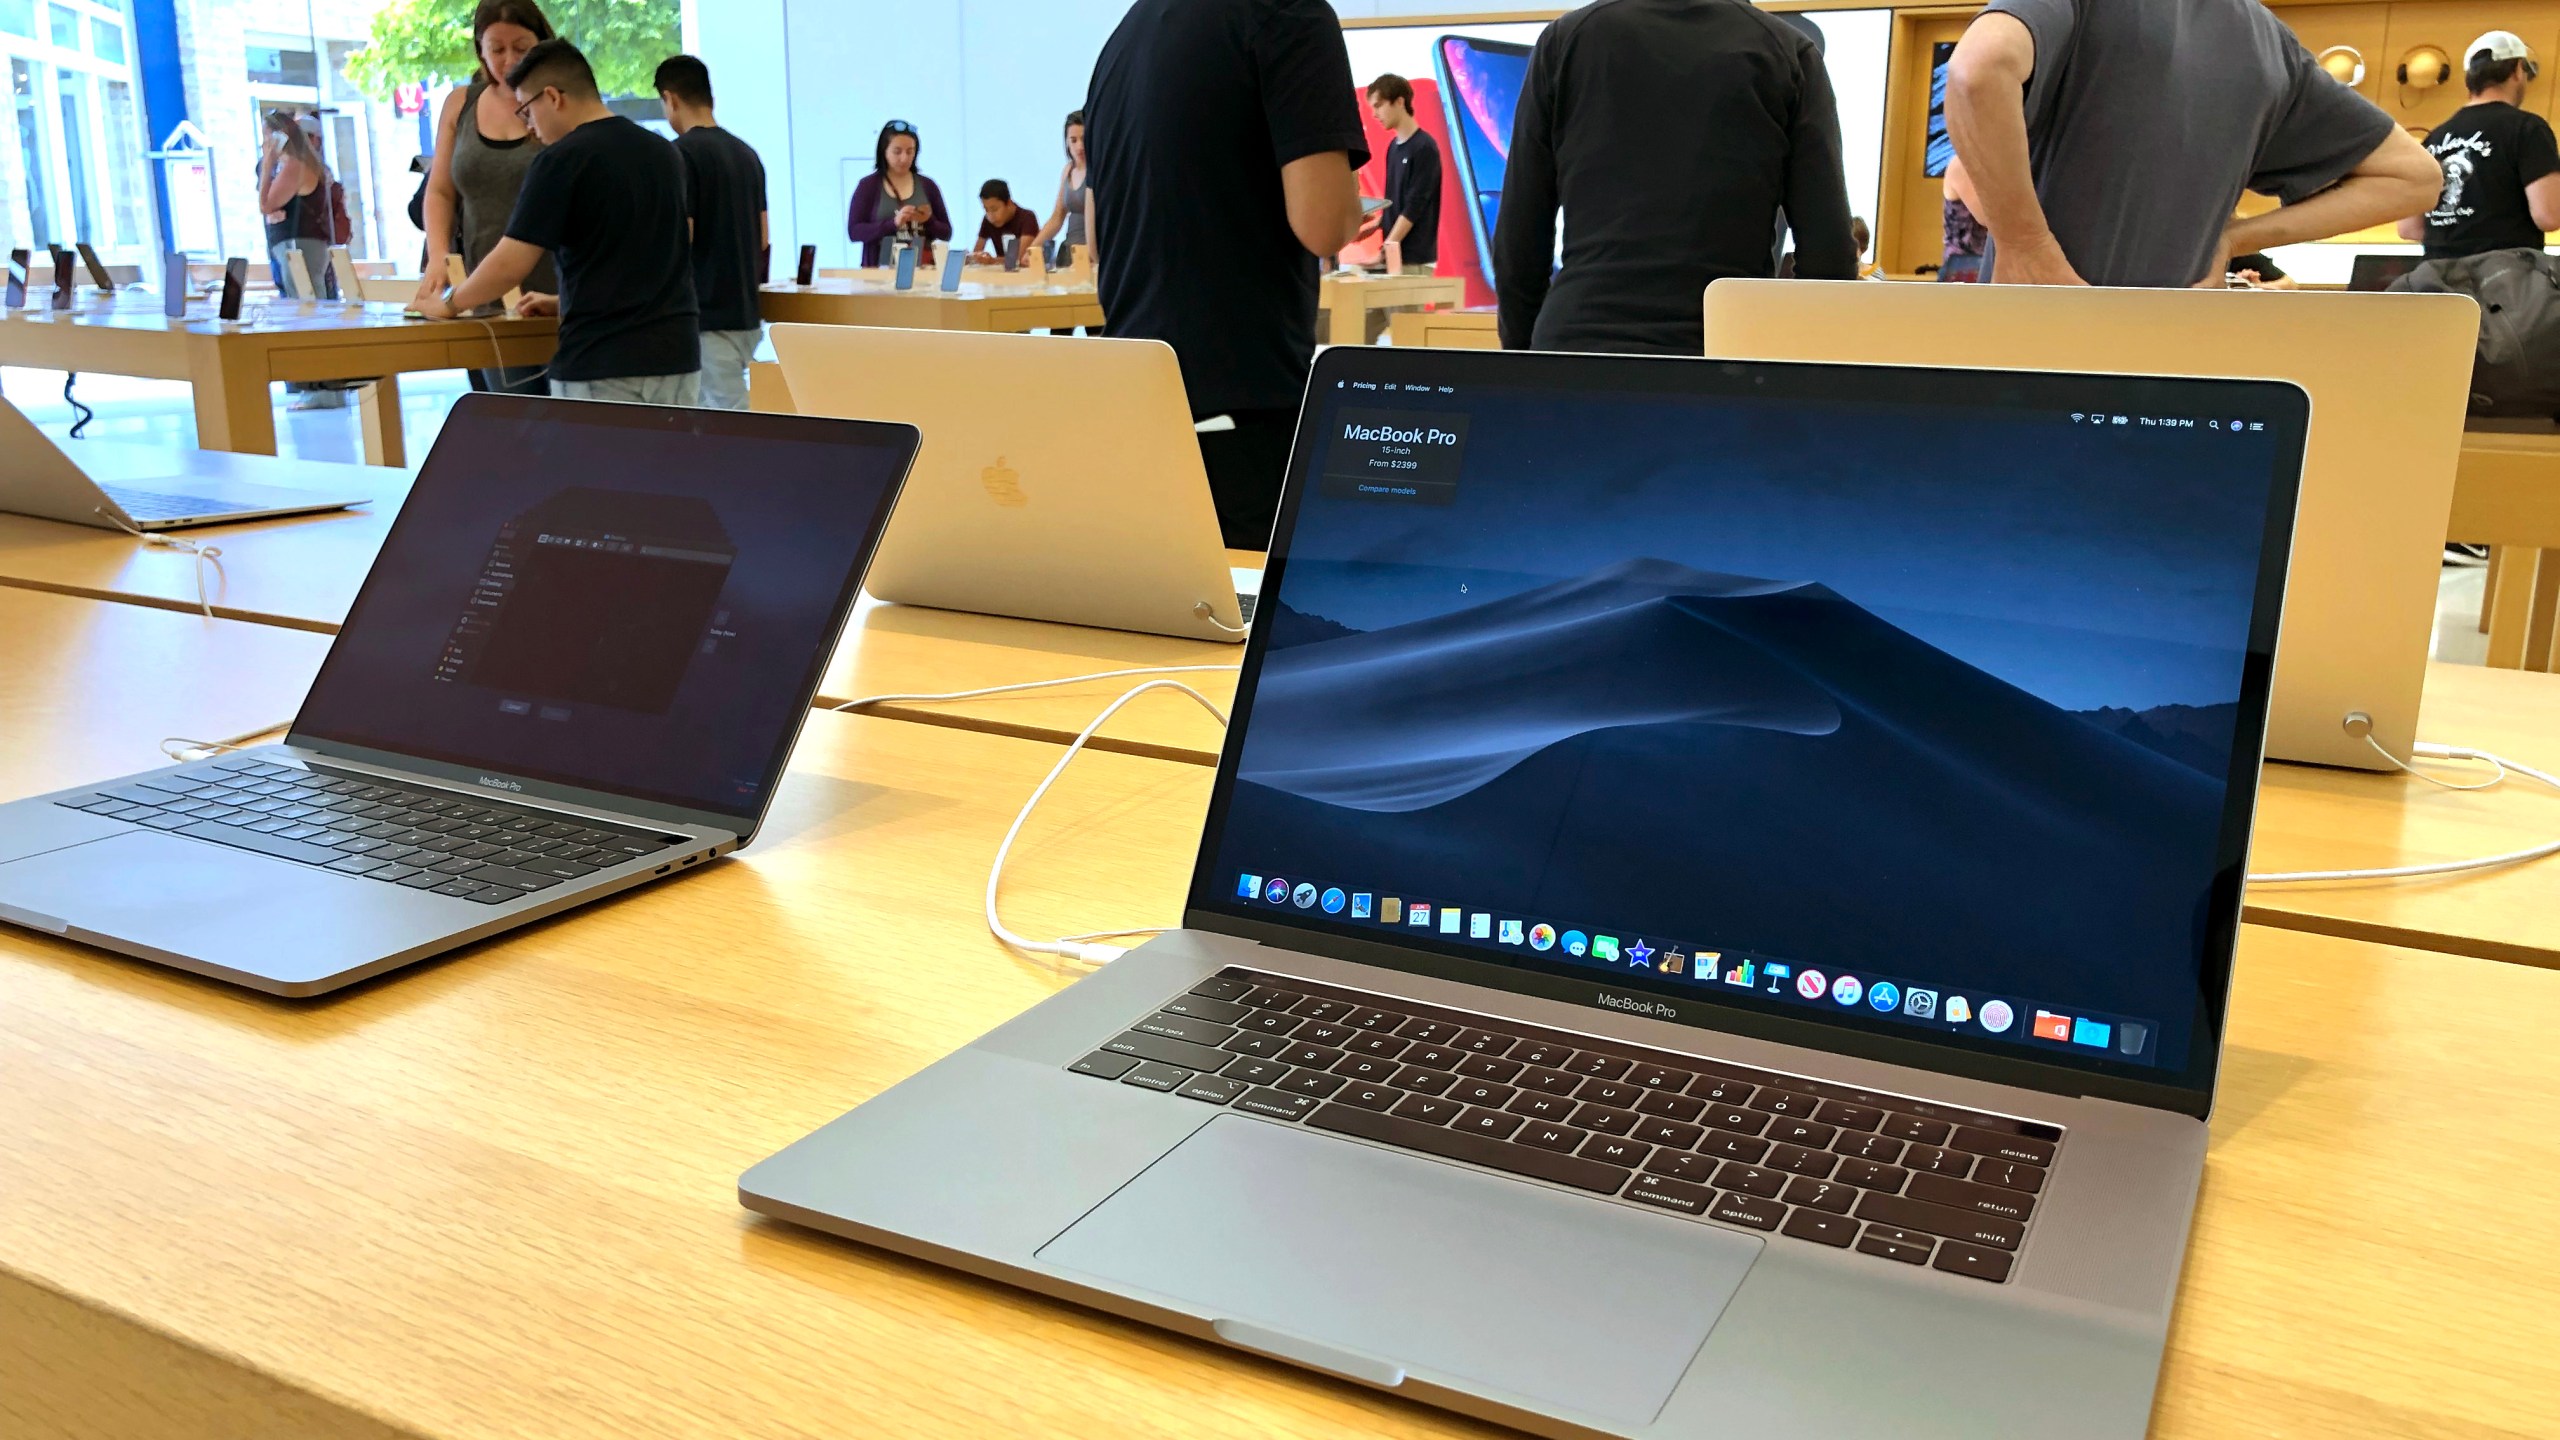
429,42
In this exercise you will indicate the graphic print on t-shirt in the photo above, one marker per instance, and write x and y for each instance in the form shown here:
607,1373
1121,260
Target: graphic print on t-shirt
2459,155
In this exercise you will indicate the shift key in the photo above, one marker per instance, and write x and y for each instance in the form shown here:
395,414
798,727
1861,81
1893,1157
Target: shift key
1943,1220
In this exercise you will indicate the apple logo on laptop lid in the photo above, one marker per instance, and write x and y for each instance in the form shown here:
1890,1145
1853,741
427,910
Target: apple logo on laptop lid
1004,485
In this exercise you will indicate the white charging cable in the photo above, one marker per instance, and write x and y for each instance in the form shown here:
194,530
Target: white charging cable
205,554
1083,949
1206,612
1014,689
183,748
2424,750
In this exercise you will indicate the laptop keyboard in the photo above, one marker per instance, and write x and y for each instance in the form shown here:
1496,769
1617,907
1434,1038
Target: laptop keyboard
150,505
442,843
1902,1180
1245,604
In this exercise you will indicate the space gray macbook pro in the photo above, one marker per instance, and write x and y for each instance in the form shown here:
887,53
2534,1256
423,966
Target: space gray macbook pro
40,478
578,665
1714,917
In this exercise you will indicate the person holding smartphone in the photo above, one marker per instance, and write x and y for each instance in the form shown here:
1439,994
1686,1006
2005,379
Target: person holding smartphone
896,202
1068,216
481,156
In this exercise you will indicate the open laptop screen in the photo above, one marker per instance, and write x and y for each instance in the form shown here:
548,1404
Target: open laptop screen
1904,700
626,599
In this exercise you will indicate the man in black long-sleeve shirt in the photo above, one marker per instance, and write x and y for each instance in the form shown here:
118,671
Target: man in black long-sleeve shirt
1674,133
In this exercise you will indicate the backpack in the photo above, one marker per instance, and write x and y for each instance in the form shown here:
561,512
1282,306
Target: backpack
2516,371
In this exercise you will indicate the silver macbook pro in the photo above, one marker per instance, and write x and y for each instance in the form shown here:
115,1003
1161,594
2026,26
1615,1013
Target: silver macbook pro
40,478
578,665
1714,917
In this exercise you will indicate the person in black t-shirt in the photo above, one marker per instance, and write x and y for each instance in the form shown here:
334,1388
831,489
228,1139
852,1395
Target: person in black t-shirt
1412,216
1222,148
607,199
2501,169
1674,133
732,236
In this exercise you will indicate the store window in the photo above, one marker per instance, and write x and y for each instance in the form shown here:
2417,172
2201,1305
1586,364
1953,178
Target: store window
66,27
124,162
75,152
106,39
272,65
33,159
18,17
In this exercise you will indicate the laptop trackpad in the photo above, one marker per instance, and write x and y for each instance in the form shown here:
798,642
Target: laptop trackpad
1413,1264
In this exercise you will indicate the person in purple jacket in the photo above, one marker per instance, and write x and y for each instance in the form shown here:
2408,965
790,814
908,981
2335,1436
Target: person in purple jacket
895,201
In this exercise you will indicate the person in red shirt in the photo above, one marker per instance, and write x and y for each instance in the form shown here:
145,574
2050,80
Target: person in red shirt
1004,218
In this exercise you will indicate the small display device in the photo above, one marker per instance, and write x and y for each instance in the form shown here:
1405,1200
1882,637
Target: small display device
808,272
344,285
17,279
64,280
906,267
1393,253
235,279
173,285
954,266
1012,252
97,268
297,272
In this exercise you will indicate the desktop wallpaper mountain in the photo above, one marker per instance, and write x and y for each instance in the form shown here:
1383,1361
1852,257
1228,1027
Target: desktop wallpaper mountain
1985,746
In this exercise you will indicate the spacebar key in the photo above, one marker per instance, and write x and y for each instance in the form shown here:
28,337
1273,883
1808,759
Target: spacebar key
238,838
1475,1149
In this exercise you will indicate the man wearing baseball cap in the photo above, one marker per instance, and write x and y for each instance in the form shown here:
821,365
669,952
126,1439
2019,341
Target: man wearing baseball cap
2108,141
2501,167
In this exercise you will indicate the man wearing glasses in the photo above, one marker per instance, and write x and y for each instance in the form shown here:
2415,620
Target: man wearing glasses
608,200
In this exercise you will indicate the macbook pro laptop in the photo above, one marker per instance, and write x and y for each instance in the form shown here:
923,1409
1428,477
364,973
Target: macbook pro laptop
1714,917
1060,477
40,478
579,665
2377,487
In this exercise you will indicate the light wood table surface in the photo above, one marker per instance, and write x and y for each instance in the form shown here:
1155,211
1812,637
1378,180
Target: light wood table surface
1344,303
232,366
2506,495
1013,305
301,572
88,689
2311,818
494,1196
1473,329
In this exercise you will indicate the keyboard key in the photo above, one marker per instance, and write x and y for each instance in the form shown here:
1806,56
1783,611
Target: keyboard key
1614,1151
1848,1116
1550,1082
1256,1072
1311,1057
1811,1134
520,880
1728,1146
1426,1082
1481,1092
1540,1107
1832,1230
1930,1160
1917,1130
1367,1068
1427,1032
2003,1147
1222,987
1265,1047
1108,1067
1277,1103
1821,1195
1943,1220
1316,1007
394,874
1146,1047
1178,1027
1547,1135
1153,1076
1312,1082
1272,998
1796,1160
2010,1175
1212,1089
1878,1148
1965,1195
1489,1122
1739,1122
1751,1180
1785,1102
1670,1107
1541,1052
1369,1019
1592,1062
1663,1192
455,865
302,832
1609,1092
1448,1144
1870,1175
1383,1047
1660,1077
1484,1042
1272,1022
423,880
494,895
1958,1258
1749,1210
1370,1097
1199,1007
1909,1254
1438,1057
282,849
171,822
1604,1119
1485,1067
1427,1109
560,831
1681,1165
1666,1132
1325,1032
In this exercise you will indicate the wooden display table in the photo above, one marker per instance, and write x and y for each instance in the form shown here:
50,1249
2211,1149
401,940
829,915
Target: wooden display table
1472,329
1346,301
978,305
2506,495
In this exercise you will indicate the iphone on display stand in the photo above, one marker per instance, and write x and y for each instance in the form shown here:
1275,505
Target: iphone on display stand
906,267
17,280
64,281
97,268
954,265
173,285
235,280
808,273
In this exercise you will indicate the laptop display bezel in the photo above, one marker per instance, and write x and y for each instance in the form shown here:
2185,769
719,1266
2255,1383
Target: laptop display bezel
499,409
1210,905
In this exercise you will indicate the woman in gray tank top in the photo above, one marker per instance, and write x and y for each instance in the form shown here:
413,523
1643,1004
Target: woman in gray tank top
482,150
1066,218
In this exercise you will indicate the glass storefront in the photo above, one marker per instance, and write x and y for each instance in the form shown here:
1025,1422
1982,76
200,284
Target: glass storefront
71,138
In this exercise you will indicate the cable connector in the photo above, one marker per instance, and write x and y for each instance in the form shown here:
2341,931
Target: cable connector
1209,613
